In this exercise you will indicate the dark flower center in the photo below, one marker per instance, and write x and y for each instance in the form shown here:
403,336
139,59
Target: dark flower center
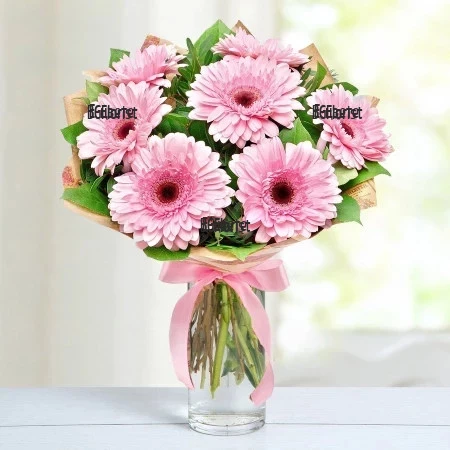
123,128
167,192
246,96
348,130
282,192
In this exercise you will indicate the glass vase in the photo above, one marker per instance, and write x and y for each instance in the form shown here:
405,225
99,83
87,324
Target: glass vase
226,363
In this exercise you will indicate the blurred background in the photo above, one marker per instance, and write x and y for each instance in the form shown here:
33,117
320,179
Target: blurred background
367,306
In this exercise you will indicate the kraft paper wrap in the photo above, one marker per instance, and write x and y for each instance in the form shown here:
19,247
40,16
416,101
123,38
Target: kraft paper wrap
364,193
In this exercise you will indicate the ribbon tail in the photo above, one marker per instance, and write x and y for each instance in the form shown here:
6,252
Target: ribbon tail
179,331
261,327
265,388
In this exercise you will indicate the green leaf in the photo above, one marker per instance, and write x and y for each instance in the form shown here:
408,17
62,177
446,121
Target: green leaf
97,182
173,123
239,252
307,121
182,87
211,58
183,111
186,73
305,75
371,170
116,55
345,85
110,184
343,174
199,130
236,210
85,165
348,210
94,89
296,134
208,39
234,179
87,173
93,200
163,254
231,364
71,132
318,78
193,59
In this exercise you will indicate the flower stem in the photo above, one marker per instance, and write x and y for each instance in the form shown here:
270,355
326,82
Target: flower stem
240,371
241,332
221,338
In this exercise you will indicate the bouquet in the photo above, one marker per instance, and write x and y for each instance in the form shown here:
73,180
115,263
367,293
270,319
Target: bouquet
213,158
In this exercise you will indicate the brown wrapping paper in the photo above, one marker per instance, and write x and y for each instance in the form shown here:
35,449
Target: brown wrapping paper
364,193
312,51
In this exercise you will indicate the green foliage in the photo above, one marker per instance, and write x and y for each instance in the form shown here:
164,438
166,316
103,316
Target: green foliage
314,83
343,174
231,364
87,173
372,169
235,211
163,254
110,184
71,132
92,199
193,57
348,210
199,54
208,39
116,55
233,183
173,122
298,133
305,75
94,89
199,130
239,252
98,181
307,121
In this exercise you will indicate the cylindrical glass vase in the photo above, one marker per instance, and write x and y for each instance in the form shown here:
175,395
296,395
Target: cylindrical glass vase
226,363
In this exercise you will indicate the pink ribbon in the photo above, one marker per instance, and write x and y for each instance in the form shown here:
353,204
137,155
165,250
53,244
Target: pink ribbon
267,276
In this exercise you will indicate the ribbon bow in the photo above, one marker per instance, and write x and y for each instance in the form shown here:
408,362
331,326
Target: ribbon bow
267,276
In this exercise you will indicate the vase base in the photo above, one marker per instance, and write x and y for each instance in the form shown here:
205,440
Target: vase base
226,424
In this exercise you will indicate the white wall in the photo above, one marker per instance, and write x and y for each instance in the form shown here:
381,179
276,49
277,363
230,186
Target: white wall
79,304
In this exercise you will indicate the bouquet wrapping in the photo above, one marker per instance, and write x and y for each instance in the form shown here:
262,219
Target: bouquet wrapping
224,131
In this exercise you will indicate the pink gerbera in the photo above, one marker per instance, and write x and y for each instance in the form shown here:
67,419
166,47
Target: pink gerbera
175,182
111,141
241,98
285,193
244,44
151,65
351,140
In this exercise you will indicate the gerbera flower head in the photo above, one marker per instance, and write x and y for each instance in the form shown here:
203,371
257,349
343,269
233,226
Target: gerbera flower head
175,182
243,44
112,141
352,140
241,98
152,65
285,192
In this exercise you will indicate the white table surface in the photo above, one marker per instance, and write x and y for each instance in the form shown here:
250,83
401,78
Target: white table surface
155,418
